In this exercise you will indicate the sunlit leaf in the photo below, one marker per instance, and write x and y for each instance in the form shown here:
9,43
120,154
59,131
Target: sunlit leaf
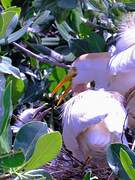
47,148
114,160
15,9
6,3
8,22
127,163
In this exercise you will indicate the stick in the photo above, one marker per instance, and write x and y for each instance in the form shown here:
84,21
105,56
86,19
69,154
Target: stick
41,58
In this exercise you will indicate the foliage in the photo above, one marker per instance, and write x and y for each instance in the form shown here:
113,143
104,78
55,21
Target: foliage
122,161
33,145
38,40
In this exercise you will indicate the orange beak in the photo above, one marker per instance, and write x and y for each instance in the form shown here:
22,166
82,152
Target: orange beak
72,73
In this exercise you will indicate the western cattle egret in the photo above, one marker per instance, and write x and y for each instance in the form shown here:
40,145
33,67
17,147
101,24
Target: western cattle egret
116,72
112,72
94,119
91,121
36,114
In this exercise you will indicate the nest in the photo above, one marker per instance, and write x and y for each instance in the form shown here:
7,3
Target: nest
65,166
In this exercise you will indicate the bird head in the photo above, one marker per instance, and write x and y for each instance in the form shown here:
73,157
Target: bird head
85,69
28,115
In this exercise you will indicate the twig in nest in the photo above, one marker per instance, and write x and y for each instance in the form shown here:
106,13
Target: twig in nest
71,156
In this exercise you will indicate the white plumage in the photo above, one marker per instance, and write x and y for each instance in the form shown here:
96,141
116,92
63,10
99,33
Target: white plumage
91,121
94,119
113,73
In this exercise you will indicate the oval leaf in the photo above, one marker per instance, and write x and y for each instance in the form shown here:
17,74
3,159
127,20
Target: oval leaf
114,161
127,163
8,21
47,148
28,135
6,3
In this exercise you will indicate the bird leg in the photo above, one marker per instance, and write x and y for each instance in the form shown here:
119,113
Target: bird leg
84,147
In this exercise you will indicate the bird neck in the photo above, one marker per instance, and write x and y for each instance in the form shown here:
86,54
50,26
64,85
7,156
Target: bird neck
80,88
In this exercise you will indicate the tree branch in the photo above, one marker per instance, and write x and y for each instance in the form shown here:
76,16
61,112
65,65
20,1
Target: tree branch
41,58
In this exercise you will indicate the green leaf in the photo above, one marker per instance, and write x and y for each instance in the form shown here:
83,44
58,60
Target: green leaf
70,4
88,176
8,22
12,159
17,89
7,68
27,137
47,148
56,76
75,19
43,22
42,5
59,14
93,43
65,30
6,3
91,6
130,6
14,9
96,5
85,31
114,161
7,104
15,36
6,136
127,163
6,141
51,41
